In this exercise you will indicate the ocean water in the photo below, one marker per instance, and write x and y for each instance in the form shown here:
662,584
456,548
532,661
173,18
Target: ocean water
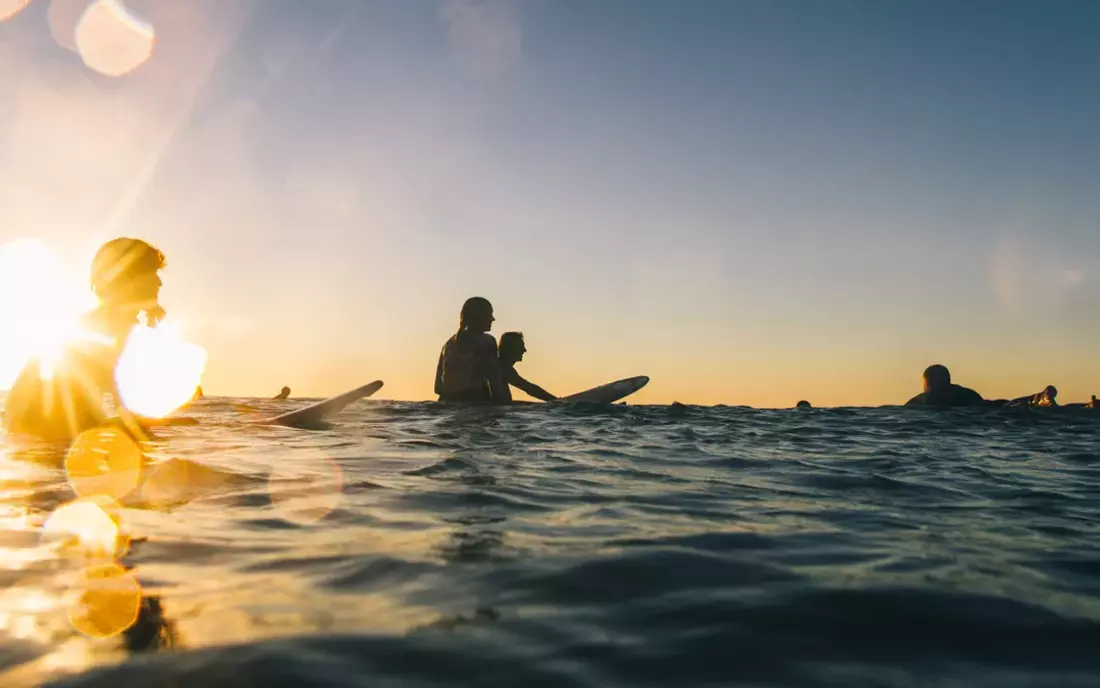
420,545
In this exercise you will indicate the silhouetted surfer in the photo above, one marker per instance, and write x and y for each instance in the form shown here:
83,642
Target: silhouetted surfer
283,394
1047,398
803,405
940,392
63,402
467,369
511,352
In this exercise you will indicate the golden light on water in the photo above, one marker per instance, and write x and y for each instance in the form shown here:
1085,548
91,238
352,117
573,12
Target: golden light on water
158,371
107,600
10,8
306,494
85,525
112,40
103,462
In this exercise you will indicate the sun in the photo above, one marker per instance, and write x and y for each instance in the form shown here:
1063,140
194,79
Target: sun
41,304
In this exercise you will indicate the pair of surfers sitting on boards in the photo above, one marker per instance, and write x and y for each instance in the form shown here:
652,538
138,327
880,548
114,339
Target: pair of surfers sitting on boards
472,369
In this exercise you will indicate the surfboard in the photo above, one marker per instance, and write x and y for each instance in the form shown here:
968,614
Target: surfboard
611,392
318,412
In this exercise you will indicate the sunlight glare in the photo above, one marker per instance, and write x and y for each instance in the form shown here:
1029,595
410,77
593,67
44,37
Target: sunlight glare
40,306
158,371
112,40
10,8
103,462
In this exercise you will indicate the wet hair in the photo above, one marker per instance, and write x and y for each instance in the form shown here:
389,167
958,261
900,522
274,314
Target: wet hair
937,376
121,259
511,343
803,404
1051,390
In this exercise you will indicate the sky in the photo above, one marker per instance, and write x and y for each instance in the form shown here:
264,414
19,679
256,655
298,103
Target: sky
751,201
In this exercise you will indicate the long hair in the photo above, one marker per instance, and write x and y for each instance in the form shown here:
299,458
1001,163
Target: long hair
474,306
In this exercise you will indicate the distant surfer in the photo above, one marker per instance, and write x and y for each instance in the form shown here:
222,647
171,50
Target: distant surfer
467,369
1047,398
803,405
283,394
67,400
940,392
510,353
1094,403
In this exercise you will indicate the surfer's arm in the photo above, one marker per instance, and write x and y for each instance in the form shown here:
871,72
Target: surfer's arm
517,380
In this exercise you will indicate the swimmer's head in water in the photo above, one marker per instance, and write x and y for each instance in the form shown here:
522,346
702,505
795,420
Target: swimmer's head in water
803,404
1050,392
512,348
477,315
286,391
936,377
124,275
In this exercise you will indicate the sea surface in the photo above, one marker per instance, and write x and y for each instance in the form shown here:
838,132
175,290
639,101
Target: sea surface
413,544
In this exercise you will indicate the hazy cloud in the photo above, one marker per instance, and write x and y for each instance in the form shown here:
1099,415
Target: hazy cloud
1025,275
485,35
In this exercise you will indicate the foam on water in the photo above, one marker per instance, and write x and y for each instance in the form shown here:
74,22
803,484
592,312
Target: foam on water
415,545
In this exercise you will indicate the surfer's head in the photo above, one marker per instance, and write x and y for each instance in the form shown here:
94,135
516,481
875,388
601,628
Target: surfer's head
477,315
285,391
511,348
936,377
803,404
1050,393
124,276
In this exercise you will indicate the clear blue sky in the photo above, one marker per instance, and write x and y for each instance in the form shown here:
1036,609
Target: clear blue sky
752,202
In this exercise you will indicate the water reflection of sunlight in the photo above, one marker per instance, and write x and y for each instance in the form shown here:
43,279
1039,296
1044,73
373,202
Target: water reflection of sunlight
158,371
112,40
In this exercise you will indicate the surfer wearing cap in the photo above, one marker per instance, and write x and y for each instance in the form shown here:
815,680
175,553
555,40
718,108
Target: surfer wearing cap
467,369
510,353
940,392
58,400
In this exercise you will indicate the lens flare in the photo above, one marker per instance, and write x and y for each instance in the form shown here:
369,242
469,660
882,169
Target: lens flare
107,600
306,494
103,462
112,40
178,481
10,8
91,526
158,371
62,17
